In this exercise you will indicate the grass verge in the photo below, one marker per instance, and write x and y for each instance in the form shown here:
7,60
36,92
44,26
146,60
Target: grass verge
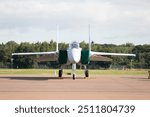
78,72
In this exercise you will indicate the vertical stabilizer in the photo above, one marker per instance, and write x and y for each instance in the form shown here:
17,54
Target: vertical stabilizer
89,38
57,38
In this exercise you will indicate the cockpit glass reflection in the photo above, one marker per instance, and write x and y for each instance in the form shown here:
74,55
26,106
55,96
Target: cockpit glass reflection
74,45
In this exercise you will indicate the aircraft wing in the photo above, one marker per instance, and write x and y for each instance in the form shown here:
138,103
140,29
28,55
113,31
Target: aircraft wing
99,58
111,54
34,53
94,55
46,56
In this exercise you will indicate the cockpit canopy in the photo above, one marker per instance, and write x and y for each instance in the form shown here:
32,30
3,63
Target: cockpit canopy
74,45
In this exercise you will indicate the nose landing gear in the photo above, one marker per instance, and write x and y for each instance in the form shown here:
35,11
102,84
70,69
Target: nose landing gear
73,71
74,76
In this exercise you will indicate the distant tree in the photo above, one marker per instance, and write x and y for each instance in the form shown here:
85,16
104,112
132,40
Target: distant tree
3,56
10,47
24,61
142,59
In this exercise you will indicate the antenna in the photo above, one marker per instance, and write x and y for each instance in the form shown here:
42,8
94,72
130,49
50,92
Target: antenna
89,38
57,38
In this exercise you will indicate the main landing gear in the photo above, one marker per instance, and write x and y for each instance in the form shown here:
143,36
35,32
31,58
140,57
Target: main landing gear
86,73
73,72
60,73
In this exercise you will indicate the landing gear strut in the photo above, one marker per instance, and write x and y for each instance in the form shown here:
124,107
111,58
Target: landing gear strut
74,76
60,73
73,71
86,73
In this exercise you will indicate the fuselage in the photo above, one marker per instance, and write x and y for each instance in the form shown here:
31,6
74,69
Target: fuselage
74,53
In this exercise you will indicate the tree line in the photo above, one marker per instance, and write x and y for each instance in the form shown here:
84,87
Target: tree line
142,59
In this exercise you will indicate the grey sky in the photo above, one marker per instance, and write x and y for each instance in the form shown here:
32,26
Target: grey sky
112,21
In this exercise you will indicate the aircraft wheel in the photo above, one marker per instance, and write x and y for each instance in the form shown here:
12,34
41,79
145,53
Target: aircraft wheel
74,77
60,73
86,73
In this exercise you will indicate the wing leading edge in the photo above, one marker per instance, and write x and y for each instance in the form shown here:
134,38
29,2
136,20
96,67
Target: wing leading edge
46,56
94,55
111,54
34,53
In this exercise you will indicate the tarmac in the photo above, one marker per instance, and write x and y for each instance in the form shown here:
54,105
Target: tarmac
102,87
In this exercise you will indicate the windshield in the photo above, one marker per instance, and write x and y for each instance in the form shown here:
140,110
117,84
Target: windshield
74,45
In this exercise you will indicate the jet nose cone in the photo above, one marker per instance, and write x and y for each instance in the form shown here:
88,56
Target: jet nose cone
76,55
75,59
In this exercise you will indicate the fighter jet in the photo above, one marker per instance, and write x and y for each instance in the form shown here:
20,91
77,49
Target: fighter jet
74,55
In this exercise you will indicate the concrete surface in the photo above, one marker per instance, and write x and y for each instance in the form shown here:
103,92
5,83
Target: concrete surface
94,88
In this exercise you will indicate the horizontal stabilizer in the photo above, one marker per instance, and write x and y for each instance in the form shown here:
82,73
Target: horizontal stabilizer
51,57
100,58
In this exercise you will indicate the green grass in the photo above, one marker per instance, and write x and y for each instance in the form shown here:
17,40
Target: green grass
78,72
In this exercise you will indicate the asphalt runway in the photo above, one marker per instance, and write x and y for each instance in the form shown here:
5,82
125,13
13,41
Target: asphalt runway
103,87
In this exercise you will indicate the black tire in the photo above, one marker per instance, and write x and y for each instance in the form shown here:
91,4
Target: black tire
60,73
86,73
74,77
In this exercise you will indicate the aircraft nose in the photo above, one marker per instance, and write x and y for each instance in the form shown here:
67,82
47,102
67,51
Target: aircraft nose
75,58
76,55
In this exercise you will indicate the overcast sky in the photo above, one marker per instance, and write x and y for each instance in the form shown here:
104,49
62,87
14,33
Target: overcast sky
112,21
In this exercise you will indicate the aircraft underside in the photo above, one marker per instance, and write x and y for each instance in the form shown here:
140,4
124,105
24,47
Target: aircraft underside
60,73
